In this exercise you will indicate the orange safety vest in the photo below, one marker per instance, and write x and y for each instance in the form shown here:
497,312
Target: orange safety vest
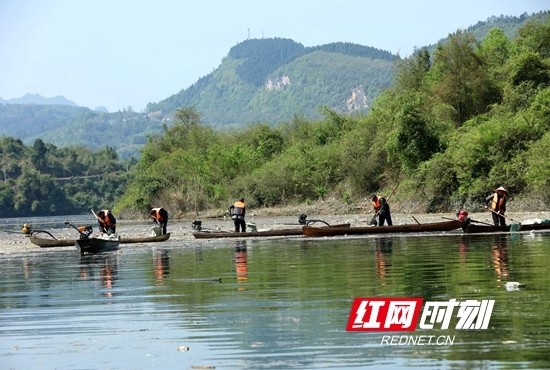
105,219
376,204
239,208
498,203
157,216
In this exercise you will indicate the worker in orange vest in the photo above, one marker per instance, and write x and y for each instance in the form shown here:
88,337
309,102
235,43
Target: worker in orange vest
160,217
237,212
106,222
382,209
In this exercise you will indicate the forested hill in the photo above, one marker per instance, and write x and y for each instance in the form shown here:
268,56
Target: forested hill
272,80
260,80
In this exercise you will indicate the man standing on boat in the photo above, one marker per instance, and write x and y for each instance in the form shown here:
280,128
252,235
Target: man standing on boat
496,203
382,209
160,216
237,212
106,222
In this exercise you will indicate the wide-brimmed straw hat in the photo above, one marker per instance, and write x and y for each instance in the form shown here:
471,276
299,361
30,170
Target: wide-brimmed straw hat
501,188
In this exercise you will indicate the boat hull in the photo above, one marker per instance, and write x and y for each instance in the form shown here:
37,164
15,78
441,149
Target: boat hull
478,229
52,243
151,239
253,234
96,245
410,228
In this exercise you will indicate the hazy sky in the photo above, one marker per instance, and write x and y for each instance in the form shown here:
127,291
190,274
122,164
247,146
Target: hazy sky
120,53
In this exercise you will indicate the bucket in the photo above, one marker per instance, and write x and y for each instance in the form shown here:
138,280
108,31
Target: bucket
156,231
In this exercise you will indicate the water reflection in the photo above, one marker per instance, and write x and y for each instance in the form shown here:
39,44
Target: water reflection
500,258
161,265
463,251
497,245
103,265
280,304
384,247
241,263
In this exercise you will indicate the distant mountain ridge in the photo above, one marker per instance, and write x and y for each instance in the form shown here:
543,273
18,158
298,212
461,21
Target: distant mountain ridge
40,100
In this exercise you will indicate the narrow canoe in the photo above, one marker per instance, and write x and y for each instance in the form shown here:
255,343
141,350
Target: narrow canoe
49,243
361,230
477,229
275,232
96,245
151,239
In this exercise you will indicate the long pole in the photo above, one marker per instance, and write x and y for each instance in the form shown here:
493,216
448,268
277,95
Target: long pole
393,191
387,199
511,219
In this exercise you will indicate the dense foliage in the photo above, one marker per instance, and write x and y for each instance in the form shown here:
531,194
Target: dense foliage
42,179
456,123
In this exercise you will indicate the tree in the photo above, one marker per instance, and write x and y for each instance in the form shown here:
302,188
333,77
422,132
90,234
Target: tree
38,156
413,143
412,71
460,78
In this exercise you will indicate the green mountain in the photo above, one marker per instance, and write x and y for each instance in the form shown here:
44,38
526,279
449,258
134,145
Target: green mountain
272,80
260,80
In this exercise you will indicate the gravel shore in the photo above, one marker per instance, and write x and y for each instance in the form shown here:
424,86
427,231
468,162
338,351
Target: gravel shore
182,231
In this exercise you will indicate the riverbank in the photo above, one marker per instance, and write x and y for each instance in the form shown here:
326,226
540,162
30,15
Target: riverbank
264,219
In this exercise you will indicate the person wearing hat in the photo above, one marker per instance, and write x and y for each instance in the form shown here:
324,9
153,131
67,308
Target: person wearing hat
237,212
496,202
382,209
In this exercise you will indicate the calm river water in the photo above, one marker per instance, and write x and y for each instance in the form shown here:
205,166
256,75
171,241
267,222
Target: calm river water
272,304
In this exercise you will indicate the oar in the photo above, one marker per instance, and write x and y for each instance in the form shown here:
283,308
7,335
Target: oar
481,222
415,220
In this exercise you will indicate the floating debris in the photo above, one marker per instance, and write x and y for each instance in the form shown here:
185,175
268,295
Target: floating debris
509,342
514,285
200,280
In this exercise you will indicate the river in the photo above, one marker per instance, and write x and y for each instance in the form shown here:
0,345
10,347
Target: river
274,304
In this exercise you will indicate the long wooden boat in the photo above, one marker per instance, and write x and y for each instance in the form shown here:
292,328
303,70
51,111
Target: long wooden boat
50,243
477,229
150,239
361,230
251,234
97,245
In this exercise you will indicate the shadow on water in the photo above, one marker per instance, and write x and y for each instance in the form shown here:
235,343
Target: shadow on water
271,304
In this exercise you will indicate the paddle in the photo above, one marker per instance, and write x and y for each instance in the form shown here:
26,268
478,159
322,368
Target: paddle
481,222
